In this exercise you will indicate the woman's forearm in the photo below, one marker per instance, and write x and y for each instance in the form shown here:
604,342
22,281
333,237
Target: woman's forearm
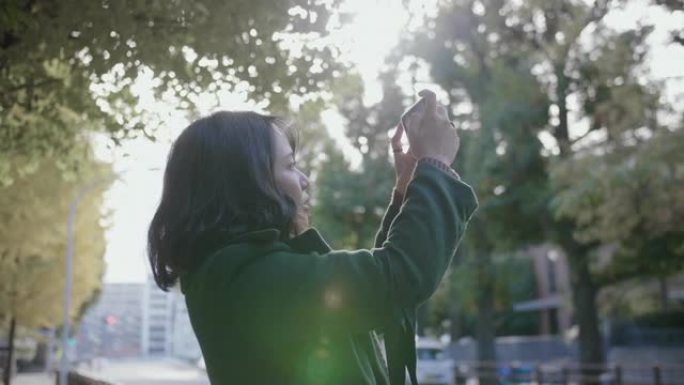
398,198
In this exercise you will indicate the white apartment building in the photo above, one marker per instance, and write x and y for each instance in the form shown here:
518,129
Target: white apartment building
137,320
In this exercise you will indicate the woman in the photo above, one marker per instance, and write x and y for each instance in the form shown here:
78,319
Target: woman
268,299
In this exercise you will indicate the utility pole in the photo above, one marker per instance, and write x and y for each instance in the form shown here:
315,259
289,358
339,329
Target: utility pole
7,373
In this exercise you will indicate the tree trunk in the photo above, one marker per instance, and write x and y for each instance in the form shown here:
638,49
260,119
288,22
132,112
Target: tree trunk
586,316
455,316
486,342
455,331
581,282
662,283
9,365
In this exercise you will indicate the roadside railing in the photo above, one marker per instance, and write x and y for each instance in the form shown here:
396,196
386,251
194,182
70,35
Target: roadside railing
569,374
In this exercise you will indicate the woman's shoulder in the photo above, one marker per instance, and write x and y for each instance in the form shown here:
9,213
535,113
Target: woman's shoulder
219,265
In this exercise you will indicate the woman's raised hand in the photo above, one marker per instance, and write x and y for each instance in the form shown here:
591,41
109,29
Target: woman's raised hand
429,131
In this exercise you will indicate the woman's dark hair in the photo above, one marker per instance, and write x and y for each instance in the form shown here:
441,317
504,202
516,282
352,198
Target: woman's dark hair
218,183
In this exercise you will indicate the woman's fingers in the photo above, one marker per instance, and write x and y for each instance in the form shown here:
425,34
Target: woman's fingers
430,100
442,113
412,117
433,109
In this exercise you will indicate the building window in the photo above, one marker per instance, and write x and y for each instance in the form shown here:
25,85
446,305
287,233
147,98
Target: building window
551,260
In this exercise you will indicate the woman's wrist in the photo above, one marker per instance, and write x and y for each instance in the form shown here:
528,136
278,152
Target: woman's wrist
440,164
398,194
401,185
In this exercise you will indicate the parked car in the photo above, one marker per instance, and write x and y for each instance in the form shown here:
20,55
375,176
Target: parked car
434,367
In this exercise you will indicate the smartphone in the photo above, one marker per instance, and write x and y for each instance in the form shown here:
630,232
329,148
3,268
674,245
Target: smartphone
410,111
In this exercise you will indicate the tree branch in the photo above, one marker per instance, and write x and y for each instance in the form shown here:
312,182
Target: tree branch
572,142
32,85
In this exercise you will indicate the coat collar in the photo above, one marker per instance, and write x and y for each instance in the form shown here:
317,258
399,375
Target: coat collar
308,241
266,235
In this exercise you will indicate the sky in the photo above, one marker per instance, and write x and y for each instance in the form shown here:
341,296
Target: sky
133,198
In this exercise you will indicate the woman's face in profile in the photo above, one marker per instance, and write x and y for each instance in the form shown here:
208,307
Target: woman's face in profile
288,177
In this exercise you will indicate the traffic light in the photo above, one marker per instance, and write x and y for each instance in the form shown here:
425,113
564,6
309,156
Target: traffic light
110,320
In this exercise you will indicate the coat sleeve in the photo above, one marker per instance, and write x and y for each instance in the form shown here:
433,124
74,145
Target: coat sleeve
390,214
362,290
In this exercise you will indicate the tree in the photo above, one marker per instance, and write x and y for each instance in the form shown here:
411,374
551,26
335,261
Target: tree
674,5
456,299
604,75
482,65
33,212
351,202
71,66
311,136
630,198
470,40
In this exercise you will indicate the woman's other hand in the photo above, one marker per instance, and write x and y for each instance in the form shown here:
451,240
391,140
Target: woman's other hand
429,131
301,222
404,162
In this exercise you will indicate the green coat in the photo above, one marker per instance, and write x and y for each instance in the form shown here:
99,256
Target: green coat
295,312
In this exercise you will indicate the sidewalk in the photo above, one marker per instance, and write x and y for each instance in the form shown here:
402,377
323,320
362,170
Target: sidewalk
155,371
133,371
33,379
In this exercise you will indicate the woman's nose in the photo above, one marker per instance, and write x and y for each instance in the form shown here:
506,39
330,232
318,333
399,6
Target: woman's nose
303,180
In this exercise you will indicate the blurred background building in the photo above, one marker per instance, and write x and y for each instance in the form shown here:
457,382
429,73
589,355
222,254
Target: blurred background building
137,320
553,290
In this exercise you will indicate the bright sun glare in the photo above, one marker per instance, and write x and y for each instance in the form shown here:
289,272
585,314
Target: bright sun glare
366,41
